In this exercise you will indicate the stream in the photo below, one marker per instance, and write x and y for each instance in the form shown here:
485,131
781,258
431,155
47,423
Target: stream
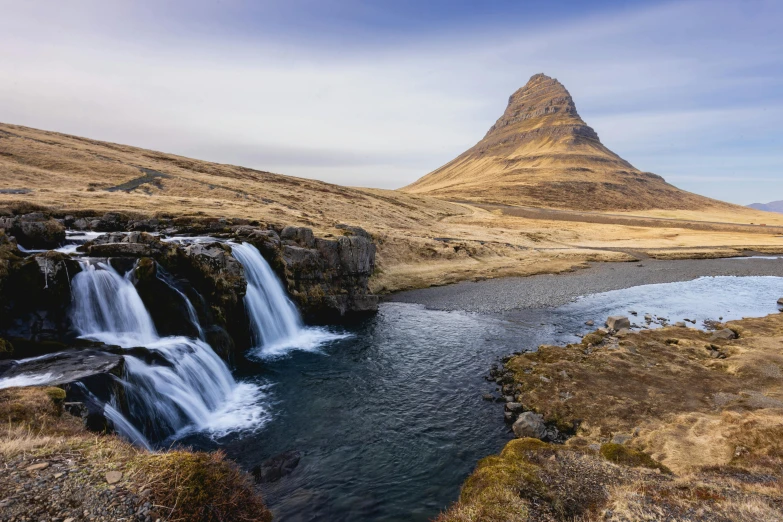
390,420
386,413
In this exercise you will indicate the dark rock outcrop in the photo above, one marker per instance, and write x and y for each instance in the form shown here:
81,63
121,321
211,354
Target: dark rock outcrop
34,230
327,278
36,297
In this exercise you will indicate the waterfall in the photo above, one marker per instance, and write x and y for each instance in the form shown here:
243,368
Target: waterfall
192,315
275,324
274,318
107,308
190,388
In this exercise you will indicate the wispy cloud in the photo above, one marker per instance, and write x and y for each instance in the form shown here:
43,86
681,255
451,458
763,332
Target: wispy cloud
380,95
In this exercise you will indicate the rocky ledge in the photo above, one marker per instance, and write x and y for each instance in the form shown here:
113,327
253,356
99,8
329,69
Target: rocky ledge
328,278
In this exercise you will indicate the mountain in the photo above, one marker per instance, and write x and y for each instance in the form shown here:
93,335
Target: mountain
541,153
774,206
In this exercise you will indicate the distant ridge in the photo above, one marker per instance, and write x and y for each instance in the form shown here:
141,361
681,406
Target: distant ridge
774,206
541,153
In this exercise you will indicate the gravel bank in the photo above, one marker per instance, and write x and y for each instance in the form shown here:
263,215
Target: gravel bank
514,293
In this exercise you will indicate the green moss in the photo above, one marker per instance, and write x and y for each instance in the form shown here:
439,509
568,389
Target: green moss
620,454
57,396
593,338
6,349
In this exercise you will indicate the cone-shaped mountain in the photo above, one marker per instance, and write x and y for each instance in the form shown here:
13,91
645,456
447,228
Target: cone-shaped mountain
541,153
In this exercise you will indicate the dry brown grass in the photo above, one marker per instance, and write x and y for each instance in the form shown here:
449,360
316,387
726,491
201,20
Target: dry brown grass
717,424
70,174
183,485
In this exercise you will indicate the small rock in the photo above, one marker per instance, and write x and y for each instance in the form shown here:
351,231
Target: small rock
488,397
589,323
530,424
680,324
780,301
112,477
621,438
618,322
37,467
623,332
514,407
633,312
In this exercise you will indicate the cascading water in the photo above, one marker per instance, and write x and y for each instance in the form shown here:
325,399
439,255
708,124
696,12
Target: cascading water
192,315
188,388
275,324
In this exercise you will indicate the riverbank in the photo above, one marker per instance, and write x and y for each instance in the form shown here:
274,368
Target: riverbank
515,293
54,469
672,423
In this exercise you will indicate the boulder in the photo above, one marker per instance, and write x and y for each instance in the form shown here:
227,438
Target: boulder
780,301
530,425
300,235
725,334
34,230
618,322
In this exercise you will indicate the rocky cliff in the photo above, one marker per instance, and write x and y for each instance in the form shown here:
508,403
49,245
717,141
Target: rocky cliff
326,277
541,153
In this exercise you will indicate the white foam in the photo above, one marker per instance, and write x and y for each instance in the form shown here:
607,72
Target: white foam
26,380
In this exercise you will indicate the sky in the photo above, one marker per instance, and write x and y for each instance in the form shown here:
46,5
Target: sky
379,93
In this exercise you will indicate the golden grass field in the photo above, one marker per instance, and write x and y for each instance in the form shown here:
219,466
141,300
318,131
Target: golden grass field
422,240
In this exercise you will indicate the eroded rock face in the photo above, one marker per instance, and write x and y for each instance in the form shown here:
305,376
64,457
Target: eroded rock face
327,278
36,297
34,230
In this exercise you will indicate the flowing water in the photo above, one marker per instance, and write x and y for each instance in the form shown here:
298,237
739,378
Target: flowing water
275,325
388,415
189,388
391,420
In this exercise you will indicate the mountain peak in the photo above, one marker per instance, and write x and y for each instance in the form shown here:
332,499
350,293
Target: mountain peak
541,153
541,102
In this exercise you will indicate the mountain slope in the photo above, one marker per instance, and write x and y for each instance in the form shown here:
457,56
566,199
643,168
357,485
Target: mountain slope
773,206
541,153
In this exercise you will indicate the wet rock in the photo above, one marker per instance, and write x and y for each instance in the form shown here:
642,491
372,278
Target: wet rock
780,301
590,323
326,278
36,298
277,467
66,367
34,230
618,322
165,302
531,425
